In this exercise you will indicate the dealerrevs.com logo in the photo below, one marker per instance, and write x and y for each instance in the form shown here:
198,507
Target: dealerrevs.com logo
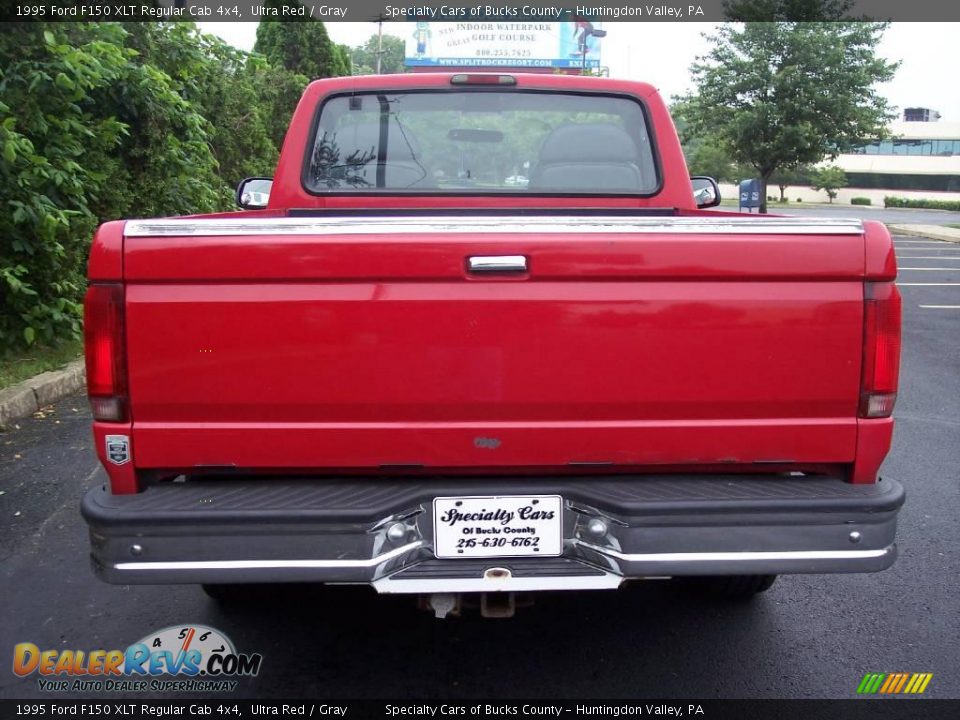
177,659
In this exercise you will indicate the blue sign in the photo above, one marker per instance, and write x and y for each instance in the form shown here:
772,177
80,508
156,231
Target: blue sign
498,44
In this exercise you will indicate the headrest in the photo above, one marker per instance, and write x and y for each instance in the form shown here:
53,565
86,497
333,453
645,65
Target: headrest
588,142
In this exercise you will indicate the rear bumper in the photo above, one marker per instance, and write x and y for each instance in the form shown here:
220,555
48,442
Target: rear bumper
335,531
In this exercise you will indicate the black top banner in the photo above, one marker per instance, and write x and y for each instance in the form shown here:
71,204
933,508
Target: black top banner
472,11
497,708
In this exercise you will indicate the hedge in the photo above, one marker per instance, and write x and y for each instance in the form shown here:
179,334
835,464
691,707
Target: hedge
107,120
895,202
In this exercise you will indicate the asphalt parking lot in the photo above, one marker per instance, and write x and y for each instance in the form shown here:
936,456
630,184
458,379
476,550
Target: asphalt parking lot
808,637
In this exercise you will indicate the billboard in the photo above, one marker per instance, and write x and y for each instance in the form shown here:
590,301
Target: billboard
502,44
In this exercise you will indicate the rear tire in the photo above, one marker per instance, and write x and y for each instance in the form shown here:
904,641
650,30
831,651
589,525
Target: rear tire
733,587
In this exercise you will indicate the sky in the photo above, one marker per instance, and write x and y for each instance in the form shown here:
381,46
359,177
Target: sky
661,53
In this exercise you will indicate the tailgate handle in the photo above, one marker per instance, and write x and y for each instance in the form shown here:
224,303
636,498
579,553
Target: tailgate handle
497,264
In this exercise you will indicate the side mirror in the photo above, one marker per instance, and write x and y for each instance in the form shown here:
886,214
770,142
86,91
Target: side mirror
706,192
254,193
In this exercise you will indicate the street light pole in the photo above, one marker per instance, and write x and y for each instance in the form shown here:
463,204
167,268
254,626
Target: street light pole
587,34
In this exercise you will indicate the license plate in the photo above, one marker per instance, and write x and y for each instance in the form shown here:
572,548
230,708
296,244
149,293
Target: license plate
498,526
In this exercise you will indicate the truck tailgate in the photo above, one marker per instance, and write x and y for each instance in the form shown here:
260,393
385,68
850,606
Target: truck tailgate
306,343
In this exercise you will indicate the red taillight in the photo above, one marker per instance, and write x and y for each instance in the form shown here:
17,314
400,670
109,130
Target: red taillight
105,354
881,349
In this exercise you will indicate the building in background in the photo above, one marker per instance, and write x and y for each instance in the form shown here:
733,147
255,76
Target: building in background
922,156
921,160
920,115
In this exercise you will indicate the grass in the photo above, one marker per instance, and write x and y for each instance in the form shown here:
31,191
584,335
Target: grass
956,226
24,364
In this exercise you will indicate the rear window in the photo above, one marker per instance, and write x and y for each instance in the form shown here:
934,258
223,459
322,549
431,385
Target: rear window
481,141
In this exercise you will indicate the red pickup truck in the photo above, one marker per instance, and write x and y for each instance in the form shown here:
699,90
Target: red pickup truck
480,336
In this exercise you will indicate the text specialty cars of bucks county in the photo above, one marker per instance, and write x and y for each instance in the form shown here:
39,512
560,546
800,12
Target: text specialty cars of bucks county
479,336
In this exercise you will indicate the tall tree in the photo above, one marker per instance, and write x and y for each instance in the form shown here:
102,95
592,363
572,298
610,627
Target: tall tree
278,92
343,65
217,80
300,45
782,94
391,56
792,10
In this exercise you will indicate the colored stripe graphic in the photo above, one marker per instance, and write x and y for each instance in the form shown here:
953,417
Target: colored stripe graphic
894,683
888,683
871,683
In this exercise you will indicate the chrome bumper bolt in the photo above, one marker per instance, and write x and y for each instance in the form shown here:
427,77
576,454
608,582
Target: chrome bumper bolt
397,533
596,528
855,537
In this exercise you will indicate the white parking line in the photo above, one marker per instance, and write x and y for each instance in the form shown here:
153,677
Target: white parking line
941,269
941,307
900,284
926,257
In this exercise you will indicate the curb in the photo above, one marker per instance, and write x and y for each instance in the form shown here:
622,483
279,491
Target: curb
25,398
928,231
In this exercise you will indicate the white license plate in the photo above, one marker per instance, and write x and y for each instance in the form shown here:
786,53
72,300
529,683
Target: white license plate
502,526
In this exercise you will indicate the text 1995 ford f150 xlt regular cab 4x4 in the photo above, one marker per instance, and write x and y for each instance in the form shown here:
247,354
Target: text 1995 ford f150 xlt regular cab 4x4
481,339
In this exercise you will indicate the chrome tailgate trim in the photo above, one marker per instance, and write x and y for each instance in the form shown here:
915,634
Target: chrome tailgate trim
526,225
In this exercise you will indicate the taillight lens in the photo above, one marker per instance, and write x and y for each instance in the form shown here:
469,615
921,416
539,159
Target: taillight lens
881,349
105,353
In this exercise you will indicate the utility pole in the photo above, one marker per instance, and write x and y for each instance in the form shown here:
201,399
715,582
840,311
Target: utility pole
379,42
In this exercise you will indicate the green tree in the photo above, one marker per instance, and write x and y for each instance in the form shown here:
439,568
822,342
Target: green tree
107,120
784,177
712,159
218,81
278,92
301,46
392,54
782,94
787,10
89,131
167,160
706,155
55,152
829,179
343,64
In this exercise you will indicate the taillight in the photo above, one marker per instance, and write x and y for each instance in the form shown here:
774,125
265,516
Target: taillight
105,354
881,349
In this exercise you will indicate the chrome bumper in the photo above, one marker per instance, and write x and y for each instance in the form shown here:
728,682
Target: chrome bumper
380,532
